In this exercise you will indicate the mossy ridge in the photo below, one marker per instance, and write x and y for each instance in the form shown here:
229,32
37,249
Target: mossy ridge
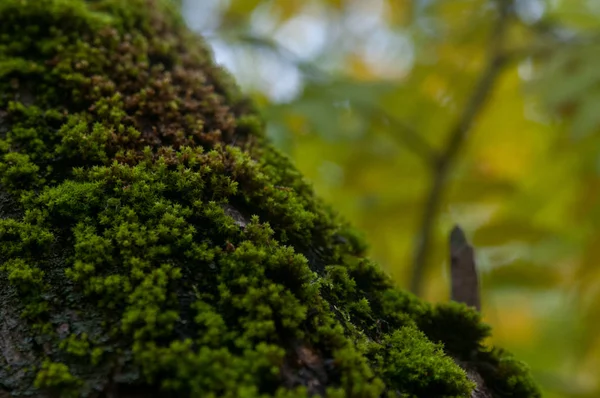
136,166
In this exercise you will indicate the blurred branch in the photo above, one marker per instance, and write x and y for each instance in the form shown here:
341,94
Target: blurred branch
406,134
550,47
401,130
456,138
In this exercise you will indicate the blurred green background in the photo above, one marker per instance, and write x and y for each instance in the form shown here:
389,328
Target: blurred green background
412,115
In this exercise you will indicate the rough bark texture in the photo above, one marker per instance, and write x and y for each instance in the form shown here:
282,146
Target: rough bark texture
153,243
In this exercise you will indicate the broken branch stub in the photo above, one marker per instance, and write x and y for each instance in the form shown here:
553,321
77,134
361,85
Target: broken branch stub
463,270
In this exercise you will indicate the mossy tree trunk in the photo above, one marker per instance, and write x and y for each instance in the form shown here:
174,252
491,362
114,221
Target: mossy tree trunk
153,243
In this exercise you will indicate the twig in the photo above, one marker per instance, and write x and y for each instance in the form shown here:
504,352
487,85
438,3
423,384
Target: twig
406,134
554,47
401,130
456,139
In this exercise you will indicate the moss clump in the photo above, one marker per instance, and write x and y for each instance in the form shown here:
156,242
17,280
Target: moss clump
56,378
153,241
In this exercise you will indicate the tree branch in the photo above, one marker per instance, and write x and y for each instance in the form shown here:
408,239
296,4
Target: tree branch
401,131
405,134
456,138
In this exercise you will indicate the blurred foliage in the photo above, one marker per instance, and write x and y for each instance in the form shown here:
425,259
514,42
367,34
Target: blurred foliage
364,95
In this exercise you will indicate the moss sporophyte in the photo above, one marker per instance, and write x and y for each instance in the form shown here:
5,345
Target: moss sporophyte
154,243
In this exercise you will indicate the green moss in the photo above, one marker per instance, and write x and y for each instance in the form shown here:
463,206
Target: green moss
23,276
55,377
17,170
76,345
155,240
405,358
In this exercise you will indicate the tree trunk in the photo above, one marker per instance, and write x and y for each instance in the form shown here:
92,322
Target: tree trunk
154,243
